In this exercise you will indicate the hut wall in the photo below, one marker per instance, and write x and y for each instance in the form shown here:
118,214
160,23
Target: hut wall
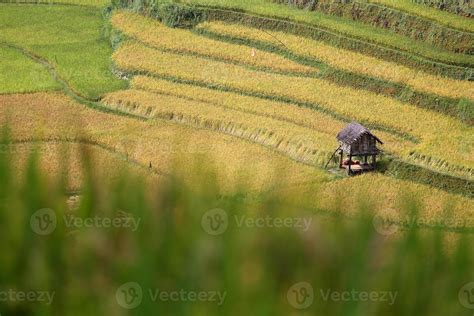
365,145
346,148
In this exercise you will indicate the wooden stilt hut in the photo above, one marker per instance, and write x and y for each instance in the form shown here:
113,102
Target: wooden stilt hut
356,141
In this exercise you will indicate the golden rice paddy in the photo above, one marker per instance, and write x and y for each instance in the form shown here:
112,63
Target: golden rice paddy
182,41
350,60
55,117
450,140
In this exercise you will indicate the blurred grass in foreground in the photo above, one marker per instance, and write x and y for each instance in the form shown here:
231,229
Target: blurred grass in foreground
125,248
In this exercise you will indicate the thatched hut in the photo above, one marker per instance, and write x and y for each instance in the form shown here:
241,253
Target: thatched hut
357,141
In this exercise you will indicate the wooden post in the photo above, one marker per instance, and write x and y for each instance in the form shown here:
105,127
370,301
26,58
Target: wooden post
374,161
365,159
341,158
350,161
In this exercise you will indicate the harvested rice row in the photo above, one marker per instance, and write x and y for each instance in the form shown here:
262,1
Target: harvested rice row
159,36
348,60
285,112
440,164
300,143
165,146
450,140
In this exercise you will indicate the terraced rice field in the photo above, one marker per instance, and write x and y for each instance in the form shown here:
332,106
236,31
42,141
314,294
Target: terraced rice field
337,25
347,60
341,101
54,117
254,97
234,112
316,121
300,143
129,142
185,42
266,98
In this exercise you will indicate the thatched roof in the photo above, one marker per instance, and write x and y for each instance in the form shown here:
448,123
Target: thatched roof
352,132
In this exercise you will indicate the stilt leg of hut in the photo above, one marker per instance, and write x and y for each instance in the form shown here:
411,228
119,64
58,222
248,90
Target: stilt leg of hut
350,162
340,159
374,162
